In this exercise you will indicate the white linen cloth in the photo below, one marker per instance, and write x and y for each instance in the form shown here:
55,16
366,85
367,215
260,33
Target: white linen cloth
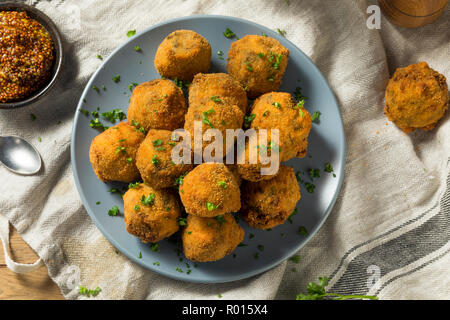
391,222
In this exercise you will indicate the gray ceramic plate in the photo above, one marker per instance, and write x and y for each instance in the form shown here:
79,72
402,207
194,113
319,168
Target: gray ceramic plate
327,144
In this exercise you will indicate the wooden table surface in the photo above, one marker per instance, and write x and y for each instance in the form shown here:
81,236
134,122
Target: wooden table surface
31,286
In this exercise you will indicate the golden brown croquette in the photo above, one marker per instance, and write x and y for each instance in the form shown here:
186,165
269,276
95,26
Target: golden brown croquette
151,214
267,204
277,110
210,190
182,55
219,88
157,104
213,115
416,97
258,63
210,239
113,153
154,160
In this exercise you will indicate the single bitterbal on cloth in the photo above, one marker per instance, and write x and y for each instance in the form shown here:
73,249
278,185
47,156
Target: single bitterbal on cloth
416,97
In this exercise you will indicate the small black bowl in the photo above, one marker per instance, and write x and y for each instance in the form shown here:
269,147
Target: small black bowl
58,52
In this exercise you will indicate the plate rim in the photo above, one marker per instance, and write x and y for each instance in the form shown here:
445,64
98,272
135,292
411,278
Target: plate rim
256,271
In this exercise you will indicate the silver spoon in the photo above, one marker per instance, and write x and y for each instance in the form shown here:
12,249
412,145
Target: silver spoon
19,156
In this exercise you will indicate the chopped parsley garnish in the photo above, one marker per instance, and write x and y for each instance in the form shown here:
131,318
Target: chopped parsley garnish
300,105
137,208
249,67
89,292
134,185
282,32
115,190
329,169
248,120
156,263
220,55
182,222
265,113
157,142
39,139
155,160
261,55
179,180
228,33
99,57
131,33
173,144
256,255
180,83
129,160
310,187
121,149
316,117
314,173
116,78
242,244
263,34
113,211
33,117
205,119
298,95
95,88
96,124
137,48
83,111
302,231
277,105
140,255
260,247
211,206
189,232
295,259
98,202
113,115
215,99
222,184
154,247
147,201
178,270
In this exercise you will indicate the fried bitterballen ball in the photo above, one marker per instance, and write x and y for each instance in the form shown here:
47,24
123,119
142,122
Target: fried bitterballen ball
151,214
210,190
277,110
217,87
258,63
252,168
157,104
154,160
211,239
113,153
182,55
267,204
416,97
213,115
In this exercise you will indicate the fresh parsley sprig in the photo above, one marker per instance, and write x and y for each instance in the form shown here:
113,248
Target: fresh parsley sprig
317,291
